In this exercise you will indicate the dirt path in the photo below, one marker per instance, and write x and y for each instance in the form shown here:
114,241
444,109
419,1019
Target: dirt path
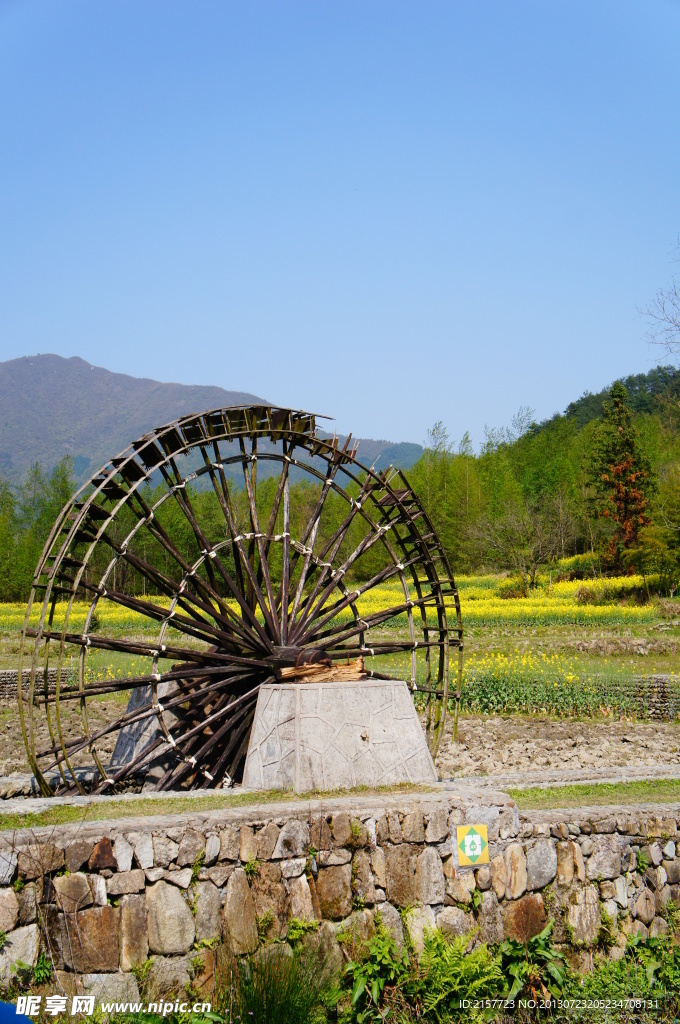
505,746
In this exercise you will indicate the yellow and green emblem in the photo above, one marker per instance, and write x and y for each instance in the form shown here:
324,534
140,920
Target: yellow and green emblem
473,846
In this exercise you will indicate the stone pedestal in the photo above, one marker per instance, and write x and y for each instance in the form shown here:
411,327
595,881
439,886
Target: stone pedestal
323,736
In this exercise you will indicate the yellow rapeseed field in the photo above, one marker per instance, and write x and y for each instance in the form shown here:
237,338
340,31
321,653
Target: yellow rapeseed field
600,602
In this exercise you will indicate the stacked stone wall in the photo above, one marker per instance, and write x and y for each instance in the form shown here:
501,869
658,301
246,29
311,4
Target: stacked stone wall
103,899
9,677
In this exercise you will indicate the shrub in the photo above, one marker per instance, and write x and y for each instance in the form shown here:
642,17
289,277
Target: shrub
382,966
536,966
450,971
280,988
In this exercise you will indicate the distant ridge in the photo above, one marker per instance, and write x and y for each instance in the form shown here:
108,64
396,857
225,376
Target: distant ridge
51,407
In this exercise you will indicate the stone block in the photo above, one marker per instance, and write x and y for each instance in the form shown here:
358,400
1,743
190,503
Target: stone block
247,846
628,859
77,854
454,921
111,988
668,850
336,735
378,866
661,898
134,932
355,932
266,840
579,865
142,843
73,892
212,850
394,828
204,980
168,977
412,830
8,866
515,871
658,927
333,858
190,848
9,910
498,875
319,832
333,886
645,906
565,863
509,823
22,946
672,869
219,874
40,859
583,915
490,919
459,889
293,867
181,878
541,864
604,825
301,905
401,876
605,858
430,884
654,853
271,896
525,917
92,940
126,882
417,921
230,843
484,815
341,829
164,851
208,907
293,840
102,856
437,828
27,899
97,884
123,853
621,891
170,921
483,878
239,922
391,919
610,909
656,877
363,883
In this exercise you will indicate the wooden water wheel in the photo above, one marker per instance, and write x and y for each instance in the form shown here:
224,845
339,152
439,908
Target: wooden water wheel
219,552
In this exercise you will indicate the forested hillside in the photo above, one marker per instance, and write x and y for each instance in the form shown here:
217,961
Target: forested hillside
603,490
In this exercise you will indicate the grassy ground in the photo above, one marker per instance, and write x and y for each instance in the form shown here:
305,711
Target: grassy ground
629,793
63,814
538,798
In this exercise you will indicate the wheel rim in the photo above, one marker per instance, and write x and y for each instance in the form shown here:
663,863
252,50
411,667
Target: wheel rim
241,589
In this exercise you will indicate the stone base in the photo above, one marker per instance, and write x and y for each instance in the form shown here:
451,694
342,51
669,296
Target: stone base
324,736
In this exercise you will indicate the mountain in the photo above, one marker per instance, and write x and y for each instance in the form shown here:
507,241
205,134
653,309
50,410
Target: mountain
51,407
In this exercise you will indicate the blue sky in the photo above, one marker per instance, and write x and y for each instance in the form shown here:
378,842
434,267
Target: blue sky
390,212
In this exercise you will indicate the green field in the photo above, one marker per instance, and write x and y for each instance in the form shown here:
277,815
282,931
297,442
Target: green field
560,649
